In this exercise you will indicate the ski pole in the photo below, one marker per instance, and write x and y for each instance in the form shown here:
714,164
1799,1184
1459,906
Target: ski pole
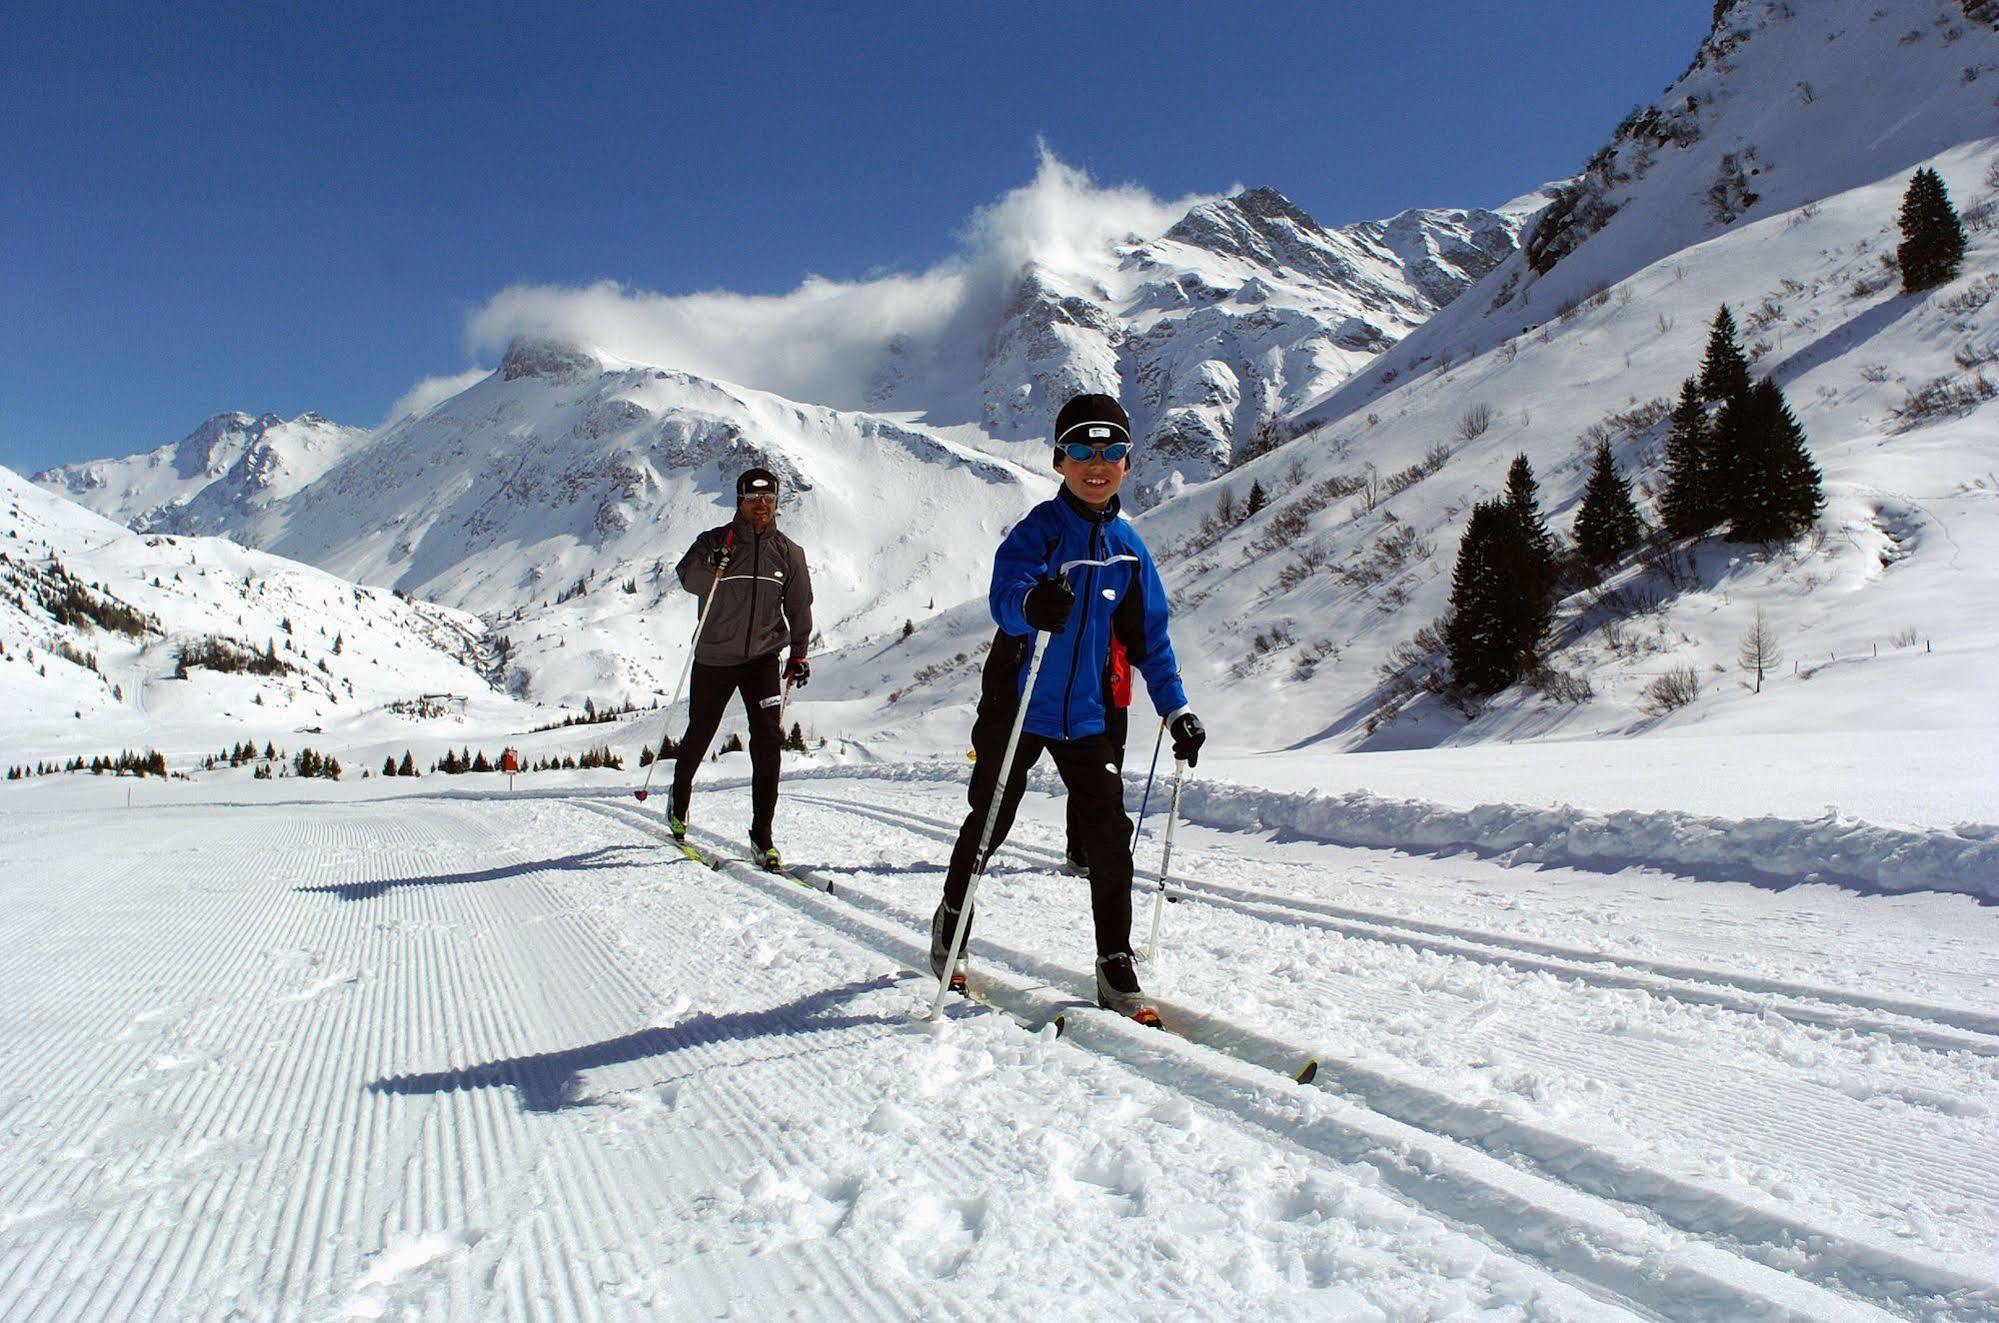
1146,798
1165,861
687,667
986,833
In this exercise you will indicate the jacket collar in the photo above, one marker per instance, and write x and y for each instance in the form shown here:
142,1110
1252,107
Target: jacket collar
1083,511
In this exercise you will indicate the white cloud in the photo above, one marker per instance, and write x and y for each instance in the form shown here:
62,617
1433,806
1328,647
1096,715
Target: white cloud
823,341
431,392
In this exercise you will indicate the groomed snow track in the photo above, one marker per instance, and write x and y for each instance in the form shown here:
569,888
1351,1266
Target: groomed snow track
1597,1218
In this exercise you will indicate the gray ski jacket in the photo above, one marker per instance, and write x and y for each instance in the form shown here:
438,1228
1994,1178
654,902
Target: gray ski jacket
764,598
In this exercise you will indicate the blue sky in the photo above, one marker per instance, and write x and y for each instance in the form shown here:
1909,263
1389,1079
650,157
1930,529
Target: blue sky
269,210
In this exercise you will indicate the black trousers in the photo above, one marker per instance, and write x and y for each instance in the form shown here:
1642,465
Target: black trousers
1117,723
710,687
1096,798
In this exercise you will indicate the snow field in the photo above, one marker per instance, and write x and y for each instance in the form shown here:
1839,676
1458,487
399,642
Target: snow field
507,1060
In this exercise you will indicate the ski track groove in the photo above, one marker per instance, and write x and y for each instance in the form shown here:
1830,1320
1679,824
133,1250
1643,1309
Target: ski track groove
1749,1221
1974,1174
1702,1266
1960,1029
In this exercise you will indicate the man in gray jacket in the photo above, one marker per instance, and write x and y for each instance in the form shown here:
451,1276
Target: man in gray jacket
763,602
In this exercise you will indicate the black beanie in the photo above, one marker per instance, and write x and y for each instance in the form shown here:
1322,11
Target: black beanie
756,482
1091,418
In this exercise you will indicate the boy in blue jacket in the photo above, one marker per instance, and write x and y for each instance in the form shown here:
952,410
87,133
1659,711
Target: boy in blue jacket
1075,621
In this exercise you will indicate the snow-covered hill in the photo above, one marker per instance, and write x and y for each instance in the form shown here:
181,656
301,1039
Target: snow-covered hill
1299,625
95,622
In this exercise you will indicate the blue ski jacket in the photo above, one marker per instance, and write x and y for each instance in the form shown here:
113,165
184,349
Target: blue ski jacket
1128,597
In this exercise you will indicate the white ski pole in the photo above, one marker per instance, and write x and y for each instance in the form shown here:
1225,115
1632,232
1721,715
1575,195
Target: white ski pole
986,833
687,667
1165,861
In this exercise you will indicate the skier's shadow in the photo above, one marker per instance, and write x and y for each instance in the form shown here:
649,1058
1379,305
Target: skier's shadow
608,856
548,1081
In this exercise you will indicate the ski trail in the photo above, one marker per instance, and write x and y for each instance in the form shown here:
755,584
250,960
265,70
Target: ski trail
1943,1028
1725,1209
1549,1211
483,1058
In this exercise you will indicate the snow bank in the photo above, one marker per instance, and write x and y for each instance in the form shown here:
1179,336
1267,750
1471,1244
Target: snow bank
1837,850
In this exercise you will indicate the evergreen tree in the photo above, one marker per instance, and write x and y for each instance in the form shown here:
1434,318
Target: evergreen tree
389,765
1686,507
408,767
1776,494
1724,371
1258,498
1536,543
480,764
1607,525
1475,637
1932,247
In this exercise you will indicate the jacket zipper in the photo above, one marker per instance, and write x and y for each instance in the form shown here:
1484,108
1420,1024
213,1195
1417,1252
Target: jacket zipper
1076,648
756,565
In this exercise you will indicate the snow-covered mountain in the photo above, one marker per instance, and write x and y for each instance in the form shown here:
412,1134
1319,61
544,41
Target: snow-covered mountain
1302,623
110,639
215,478
1210,332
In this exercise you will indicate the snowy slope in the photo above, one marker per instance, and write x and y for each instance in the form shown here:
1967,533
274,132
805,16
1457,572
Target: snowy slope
82,687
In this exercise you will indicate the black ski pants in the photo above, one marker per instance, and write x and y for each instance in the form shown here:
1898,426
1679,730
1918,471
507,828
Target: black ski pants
1117,723
710,688
1096,794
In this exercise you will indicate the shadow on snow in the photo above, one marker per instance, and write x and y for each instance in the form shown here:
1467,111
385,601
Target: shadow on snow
549,1081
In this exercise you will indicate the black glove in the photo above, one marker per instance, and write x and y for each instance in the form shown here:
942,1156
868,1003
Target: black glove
1048,605
1188,737
799,672
718,557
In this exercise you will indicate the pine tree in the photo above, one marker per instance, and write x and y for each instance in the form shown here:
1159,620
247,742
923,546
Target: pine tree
1524,500
1501,598
1475,639
1724,371
1607,526
1775,493
1932,247
389,765
408,766
480,764
1687,505
1258,498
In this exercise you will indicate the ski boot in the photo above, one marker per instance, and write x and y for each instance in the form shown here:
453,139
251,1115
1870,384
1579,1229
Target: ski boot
765,856
1074,864
1118,990
677,824
944,926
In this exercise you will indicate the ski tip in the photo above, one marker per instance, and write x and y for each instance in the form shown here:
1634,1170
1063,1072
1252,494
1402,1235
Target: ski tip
1309,1073
1059,1024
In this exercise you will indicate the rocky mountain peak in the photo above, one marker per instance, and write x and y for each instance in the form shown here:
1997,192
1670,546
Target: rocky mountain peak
546,356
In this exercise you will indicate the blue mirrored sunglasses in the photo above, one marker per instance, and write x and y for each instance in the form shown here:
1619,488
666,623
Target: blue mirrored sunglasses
1115,451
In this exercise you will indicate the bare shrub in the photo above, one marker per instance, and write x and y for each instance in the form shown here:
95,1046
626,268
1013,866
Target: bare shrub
1874,372
1904,639
1474,421
1559,686
1675,689
1945,397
